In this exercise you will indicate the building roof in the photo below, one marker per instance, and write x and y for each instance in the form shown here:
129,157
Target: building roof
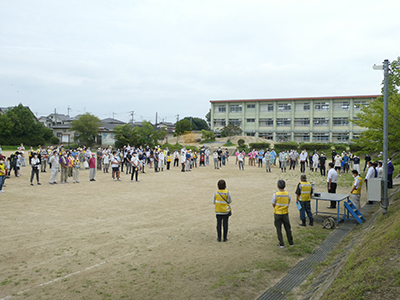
110,123
296,99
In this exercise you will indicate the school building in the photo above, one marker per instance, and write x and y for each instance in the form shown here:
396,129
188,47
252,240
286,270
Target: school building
316,119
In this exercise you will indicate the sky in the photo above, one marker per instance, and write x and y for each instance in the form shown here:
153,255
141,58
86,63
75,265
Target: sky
170,58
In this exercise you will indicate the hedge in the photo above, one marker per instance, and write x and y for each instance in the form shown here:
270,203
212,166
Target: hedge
259,146
278,147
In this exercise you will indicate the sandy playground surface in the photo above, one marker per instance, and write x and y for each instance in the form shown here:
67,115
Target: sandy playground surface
154,239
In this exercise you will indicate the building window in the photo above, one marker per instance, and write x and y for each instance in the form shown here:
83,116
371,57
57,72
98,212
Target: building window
321,121
267,107
59,135
284,107
340,137
302,137
321,106
235,108
270,107
235,122
341,105
359,104
341,122
302,106
280,122
302,122
250,134
283,137
266,122
250,120
324,138
267,136
220,108
219,122
250,106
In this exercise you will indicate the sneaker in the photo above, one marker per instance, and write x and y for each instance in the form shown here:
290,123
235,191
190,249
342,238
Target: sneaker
31,184
119,179
291,245
131,180
114,179
137,181
280,246
39,183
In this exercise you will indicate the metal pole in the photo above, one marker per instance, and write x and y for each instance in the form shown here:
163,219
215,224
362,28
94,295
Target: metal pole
385,202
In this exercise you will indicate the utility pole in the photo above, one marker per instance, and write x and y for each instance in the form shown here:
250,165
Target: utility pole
156,119
68,110
385,68
177,118
132,114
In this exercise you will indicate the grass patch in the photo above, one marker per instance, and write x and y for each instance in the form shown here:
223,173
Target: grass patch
372,269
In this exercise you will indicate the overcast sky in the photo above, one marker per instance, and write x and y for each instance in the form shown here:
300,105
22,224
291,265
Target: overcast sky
172,57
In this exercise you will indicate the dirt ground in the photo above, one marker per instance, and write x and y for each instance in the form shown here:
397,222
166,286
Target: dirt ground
143,240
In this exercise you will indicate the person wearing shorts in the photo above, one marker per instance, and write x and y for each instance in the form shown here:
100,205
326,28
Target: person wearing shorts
115,160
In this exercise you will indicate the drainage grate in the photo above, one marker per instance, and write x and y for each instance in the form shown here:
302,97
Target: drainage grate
304,268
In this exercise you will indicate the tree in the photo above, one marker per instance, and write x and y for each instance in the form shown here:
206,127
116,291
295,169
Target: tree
208,118
182,126
19,125
87,128
230,130
138,136
371,116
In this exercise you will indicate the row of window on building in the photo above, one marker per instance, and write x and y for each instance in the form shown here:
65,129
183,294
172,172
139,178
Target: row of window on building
285,122
304,137
285,107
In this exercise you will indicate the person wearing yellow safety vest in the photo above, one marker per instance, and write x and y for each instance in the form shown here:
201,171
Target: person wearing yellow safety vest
222,200
280,202
304,191
356,189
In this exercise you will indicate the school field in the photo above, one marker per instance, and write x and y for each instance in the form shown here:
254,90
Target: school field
155,239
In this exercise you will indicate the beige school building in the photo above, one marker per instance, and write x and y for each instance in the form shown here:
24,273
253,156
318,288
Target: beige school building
316,119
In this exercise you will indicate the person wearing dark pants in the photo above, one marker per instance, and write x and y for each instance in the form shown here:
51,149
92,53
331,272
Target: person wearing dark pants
134,166
332,183
35,163
222,200
322,162
303,192
280,202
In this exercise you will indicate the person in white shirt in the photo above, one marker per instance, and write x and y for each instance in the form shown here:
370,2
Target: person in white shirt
240,160
54,162
115,161
303,158
135,166
380,170
332,183
161,160
315,160
35,163
370,174
215,157
338,163
207,154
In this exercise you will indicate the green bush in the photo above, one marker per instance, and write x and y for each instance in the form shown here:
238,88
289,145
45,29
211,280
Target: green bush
240,142
259,146
54,140
278,147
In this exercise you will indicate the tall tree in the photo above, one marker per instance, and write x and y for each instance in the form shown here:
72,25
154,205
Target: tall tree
208,118
19,125
230,130
371,116
138,136
182,126
87,128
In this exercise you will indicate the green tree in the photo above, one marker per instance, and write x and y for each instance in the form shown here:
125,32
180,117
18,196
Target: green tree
230,130
182,126
208,118
86,127
138,136
371,116
19,125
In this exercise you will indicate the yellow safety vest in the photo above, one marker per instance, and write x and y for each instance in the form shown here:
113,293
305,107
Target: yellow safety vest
305,191
357,191
221,206
282,203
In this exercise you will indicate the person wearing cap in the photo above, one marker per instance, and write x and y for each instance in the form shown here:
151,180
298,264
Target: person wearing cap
356,161
303,192
92,167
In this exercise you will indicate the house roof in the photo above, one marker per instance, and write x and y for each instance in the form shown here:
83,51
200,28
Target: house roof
109,123
296,99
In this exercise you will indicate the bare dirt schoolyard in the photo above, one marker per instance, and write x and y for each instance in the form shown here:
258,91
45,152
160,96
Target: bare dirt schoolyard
153,239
